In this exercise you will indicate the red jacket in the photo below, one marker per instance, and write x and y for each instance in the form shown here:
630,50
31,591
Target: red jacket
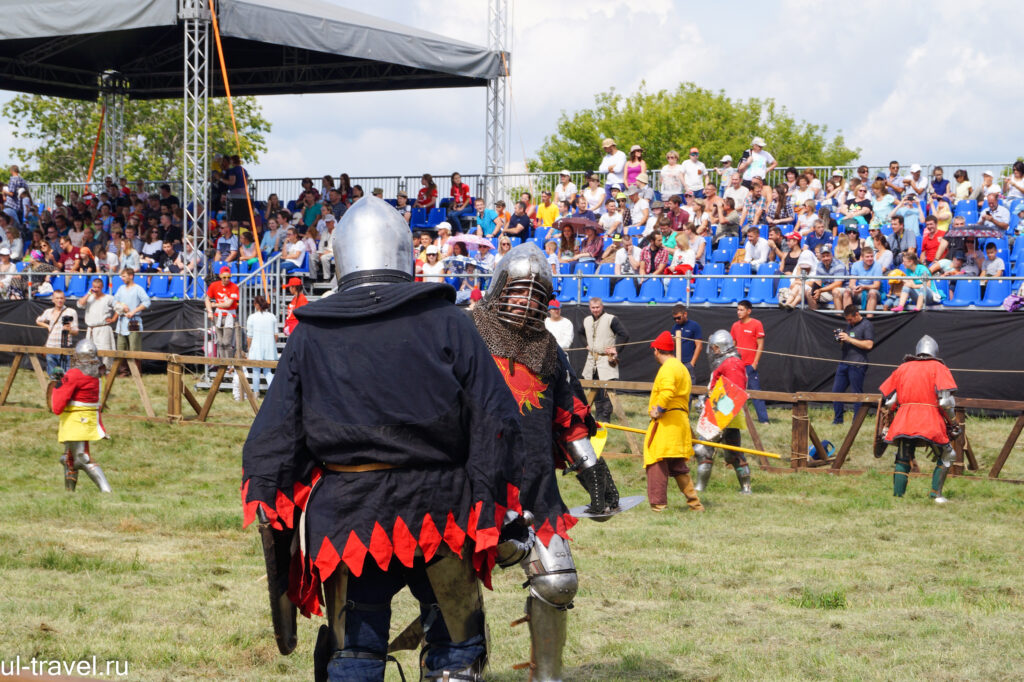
918,415
290,321
75,386
732,368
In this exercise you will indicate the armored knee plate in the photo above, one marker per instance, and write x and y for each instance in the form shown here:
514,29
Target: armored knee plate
703,453
703,475
551,574
83,461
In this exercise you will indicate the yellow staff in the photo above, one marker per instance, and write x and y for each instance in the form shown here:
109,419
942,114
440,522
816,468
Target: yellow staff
702,442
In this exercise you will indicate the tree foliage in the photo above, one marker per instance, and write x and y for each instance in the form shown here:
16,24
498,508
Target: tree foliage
57,135
688,117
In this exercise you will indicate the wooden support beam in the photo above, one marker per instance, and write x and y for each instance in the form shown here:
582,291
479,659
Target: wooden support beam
190,397
212,393
1004,454
755,437
801,424
634,444
15,366
816,442
851,436
243,382
141,388
40,374
109,382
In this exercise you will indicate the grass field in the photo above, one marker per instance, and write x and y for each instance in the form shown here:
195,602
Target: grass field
812,577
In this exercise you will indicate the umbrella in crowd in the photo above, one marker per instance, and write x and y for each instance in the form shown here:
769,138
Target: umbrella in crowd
975,231
471,241
578,224
459,263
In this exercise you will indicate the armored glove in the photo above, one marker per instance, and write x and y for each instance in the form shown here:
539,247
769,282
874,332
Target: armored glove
516,538
597,480
954,430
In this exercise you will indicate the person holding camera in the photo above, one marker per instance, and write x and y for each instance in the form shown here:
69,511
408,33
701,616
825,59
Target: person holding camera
61,324
129,302
854,343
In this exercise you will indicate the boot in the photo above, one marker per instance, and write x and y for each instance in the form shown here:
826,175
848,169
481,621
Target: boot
703,476
743,476
900,476
685,484
938,480
94,472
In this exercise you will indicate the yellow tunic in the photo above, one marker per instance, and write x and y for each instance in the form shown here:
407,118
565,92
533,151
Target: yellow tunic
671,391
80,422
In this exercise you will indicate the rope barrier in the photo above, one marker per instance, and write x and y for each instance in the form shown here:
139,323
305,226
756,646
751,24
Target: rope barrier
143,331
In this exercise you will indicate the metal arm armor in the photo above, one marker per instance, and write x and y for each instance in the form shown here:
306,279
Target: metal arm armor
947,402
583,455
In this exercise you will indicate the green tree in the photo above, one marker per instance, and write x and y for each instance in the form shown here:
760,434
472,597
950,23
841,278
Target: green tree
688,117
58,135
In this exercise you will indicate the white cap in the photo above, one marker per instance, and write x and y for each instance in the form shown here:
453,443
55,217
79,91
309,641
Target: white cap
759,141
988,173
726,158
915,168
837,173
565,172
444,226
431,250
4,251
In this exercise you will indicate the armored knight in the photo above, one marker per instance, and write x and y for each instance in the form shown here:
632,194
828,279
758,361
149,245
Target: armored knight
920,392
389,451
557,427
725,362
76,398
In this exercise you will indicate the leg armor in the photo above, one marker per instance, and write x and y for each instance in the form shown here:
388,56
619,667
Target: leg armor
457,640
901,470
82,460
70,472
705,459
737,460
551,575
944,457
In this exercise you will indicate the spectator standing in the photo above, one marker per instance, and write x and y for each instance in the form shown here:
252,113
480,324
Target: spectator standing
894,182
61,325
12,202
855,342
756,162
635,165
605,335
129,302
692,336
725,172
560,327
614,164
748,333
565,190
261,340
236,184
671,175
222,309
695,174
99,315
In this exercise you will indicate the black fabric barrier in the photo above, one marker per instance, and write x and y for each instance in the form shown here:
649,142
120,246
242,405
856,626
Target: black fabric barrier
968,339
159,319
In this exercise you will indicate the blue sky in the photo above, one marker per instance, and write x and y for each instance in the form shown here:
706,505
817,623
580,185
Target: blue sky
933,82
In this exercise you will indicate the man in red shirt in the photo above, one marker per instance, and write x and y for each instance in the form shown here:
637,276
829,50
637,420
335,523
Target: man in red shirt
294,287
748,334
68,253
933,245
222,308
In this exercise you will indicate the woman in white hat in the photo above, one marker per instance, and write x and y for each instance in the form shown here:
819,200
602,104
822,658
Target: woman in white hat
565,190
636,164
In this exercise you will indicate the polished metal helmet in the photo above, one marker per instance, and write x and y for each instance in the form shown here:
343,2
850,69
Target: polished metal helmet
720,346
522,273
927,346
86,358
372,244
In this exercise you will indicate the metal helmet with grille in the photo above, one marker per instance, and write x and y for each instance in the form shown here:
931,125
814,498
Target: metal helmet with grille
522,274
372,245
86,358
927,346
720,346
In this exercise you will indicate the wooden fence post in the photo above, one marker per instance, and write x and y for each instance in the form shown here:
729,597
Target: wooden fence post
174,386
798,448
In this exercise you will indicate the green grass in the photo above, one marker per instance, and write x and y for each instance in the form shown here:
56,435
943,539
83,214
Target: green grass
812,577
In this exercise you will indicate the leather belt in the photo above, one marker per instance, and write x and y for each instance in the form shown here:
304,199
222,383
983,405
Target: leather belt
359,468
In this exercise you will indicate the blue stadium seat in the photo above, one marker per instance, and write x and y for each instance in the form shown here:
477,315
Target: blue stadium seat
635,231
291,206
942,285
675,292
157,286
726,250
623,289
176,287
706,289
732,288
438,216
650,290
418,219
995,291
516,241
599,287
762,290
77,286
115,283
569,290
19,266
606,269
586,268
566,268
965,293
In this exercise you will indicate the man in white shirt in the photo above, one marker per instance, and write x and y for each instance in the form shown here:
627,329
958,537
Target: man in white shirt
756,162
755,250
736,190
559,327
694,174
639,209
99,315
611,221
671,175
627,256
614,164
915,182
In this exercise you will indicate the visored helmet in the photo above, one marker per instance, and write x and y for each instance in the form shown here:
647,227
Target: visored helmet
372,245
86,358
521,288
927,346
720,345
